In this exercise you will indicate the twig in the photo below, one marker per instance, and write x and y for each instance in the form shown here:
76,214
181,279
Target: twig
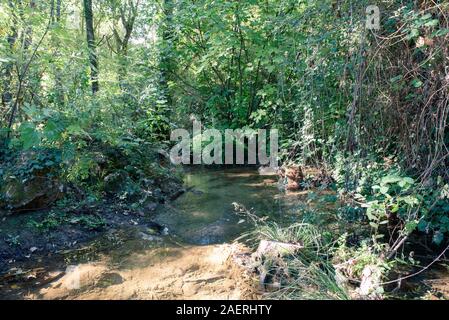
420,271
21,79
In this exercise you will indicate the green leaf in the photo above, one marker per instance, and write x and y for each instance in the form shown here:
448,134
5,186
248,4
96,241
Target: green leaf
440,32
432,23
390,179
423,226
414,33
76,130
29,135
406,181
370,215
374,225
52,130
416,83
411,226
410,200
395,208
396,79
384,189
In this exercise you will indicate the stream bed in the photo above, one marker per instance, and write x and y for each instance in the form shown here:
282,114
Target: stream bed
190,259
205,214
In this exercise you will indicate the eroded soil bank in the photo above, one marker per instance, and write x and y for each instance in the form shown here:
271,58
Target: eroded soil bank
198,272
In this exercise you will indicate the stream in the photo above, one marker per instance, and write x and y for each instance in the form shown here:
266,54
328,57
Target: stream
206,215
191,258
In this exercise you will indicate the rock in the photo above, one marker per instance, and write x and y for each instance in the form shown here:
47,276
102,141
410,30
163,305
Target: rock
109,279
276,249
320,178
148,237
12,190
197,192
78,277
172,188
268,262
370,287
211,233
156,228
292,177
241,256
268,171
341,279
267,281
35,193
190,288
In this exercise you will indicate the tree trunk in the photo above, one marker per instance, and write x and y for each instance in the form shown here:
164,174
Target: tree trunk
128,14
167,38
58,10
7,71
93,60
59,88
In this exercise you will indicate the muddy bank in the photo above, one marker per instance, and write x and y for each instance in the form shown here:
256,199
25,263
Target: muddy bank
26,239
31,237
132,264
205,272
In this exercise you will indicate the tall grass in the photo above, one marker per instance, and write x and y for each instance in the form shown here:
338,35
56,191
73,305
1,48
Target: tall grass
310,272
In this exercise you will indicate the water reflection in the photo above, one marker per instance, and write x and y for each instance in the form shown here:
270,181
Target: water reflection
205,214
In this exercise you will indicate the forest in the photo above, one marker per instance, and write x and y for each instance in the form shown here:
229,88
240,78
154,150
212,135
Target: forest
91,91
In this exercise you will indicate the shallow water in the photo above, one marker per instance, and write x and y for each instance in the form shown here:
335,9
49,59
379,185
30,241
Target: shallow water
135,263
206,214
189,262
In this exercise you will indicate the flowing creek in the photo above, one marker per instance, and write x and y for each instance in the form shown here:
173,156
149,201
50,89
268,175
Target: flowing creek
190,261
206,215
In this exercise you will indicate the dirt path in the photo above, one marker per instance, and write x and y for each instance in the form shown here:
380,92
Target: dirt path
200,272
